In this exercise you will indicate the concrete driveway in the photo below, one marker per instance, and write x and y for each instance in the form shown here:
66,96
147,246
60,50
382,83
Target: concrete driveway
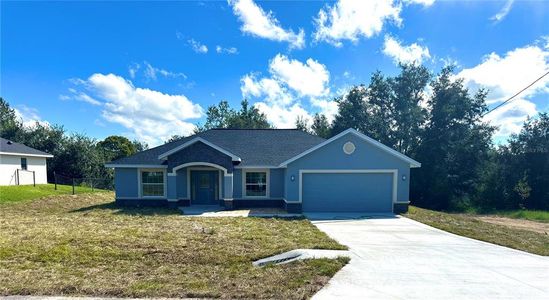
397,258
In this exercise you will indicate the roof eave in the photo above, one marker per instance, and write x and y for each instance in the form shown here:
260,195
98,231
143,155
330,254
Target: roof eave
27,154
111,165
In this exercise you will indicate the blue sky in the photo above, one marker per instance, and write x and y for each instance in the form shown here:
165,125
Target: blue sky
149,70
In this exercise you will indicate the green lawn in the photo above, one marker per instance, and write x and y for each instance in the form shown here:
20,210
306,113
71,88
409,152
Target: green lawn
470,226
84,245
17,193
532,215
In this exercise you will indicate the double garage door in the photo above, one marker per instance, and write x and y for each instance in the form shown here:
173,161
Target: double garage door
347,192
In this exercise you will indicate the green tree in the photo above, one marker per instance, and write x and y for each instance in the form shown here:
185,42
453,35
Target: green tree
454,146
10,125
321,127
389,109
301,124
520,169
352,111
115,147
223,116
407,115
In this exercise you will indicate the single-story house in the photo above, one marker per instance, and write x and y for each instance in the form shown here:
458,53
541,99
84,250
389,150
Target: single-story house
286,168
20,164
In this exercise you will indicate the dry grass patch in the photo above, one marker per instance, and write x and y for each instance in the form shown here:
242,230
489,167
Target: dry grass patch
84,245
473,227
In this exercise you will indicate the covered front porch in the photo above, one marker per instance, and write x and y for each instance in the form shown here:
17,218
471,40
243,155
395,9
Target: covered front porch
201,184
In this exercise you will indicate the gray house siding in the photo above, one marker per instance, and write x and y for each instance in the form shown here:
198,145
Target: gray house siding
332,157
276,190
237,183
125,183
277,183
200,152
181,183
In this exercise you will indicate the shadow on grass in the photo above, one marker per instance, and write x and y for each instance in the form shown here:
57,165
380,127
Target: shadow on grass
113,208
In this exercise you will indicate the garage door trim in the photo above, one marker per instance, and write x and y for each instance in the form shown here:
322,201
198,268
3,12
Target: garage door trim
351,171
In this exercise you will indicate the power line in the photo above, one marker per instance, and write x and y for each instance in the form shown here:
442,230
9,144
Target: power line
518,93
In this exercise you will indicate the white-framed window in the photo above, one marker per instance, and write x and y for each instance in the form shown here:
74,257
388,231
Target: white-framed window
256,183
153,183
24,165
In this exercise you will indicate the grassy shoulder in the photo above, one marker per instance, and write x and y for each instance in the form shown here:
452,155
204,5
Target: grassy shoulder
532,215
17,193
470,226
84,245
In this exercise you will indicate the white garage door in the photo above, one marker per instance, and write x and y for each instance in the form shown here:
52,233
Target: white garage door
347,192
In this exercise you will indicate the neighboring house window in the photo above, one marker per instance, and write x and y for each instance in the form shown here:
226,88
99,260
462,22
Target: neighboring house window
152,183
23,163
256,184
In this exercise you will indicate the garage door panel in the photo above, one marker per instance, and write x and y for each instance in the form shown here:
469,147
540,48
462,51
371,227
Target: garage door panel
347,192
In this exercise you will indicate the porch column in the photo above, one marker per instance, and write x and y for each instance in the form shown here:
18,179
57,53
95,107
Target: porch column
171,188
228,188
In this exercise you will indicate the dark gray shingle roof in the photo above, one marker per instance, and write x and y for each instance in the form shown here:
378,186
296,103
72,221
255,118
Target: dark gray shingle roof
13,147
256,147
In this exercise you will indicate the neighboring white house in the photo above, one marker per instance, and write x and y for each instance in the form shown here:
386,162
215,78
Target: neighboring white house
20,164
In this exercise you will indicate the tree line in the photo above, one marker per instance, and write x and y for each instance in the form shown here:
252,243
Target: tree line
75,155
436,120
432,118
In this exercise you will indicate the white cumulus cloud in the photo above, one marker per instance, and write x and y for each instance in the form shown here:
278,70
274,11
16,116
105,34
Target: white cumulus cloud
259,23
510,118
228,50
307,79
412,53
350,20
197,46
425,3
506,75
151,116
29,116
283,116
290,82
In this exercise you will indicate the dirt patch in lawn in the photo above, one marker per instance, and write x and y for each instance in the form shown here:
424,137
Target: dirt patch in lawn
473,226
517,223
84,245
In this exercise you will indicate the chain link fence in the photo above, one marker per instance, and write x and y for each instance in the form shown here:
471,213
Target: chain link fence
82,185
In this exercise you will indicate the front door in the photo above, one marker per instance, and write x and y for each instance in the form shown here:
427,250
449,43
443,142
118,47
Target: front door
204,187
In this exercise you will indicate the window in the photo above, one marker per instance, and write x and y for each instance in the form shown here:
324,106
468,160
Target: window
152,183
23,163
256,184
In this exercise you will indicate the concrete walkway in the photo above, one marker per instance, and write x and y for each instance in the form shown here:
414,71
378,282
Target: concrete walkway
219,211
397,258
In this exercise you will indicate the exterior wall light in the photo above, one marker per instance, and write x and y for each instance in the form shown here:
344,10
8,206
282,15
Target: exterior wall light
403,177
292,178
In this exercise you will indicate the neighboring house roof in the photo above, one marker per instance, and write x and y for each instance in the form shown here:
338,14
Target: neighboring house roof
12,148
254,147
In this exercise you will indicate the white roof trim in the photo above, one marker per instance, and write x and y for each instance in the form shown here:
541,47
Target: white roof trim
199,139
413,163
135,166
257,167
26,154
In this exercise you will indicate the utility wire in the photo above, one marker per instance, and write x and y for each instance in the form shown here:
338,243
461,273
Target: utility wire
518,93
